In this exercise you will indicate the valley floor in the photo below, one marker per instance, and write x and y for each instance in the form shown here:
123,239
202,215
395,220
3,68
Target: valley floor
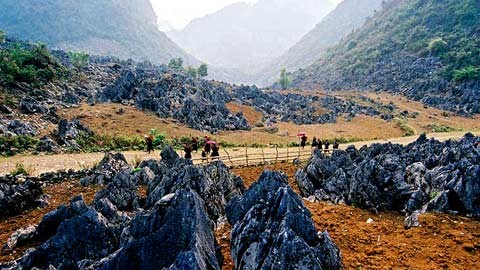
48,163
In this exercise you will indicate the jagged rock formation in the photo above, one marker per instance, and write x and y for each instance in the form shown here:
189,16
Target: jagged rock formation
175,234
272,229
171,228
213,183
304,109
424,175
12,128
107,169
197,103
16,198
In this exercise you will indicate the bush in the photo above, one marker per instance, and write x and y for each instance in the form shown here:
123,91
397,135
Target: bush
437,46
466,74
79,59
21,169
10,146
34,65
159,139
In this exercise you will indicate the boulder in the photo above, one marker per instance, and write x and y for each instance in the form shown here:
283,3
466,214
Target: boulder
107,169
273,229
175,234
16,198
401,178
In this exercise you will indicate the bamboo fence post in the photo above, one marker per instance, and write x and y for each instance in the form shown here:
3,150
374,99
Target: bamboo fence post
276,156
228,155
246,155
287,153
263,155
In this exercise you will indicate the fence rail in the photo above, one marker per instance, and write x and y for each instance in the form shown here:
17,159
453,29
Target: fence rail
260,157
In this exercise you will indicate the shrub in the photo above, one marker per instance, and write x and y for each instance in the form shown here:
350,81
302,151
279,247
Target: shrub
437,46
465,74
10,146
79,59
21,169
33,65
159,139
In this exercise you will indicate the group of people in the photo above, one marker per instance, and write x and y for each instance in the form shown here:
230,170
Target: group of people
210,148
318,143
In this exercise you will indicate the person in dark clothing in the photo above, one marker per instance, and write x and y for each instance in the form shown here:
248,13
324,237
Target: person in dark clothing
215,151
314,142
327,145
207,148
204,156
195,144
303,143
188,151
149,142
335,145
320,144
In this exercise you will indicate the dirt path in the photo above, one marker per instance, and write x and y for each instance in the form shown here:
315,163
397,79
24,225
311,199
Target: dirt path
47,163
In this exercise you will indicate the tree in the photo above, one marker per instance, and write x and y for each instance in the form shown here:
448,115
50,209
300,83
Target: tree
437,46
284,81
79,59
176,64
192,71
203,70
2,36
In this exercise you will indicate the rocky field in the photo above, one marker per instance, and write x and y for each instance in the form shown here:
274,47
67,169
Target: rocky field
222,214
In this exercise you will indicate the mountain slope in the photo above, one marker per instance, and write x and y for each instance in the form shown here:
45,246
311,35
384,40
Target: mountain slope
427,50
347,16
123,28
243,35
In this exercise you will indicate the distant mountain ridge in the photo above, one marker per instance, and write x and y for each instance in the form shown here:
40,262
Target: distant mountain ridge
243,35
425,49
347,16
122,28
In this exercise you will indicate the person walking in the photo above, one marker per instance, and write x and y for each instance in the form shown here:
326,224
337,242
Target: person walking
149,143
195,144
327,146
303,142
188,151
215,151
314,142
336,145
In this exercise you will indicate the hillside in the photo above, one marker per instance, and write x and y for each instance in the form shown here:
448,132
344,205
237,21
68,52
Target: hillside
424,49
347,16
123,28
244,36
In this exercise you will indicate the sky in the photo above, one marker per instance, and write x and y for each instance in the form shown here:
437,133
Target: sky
178,13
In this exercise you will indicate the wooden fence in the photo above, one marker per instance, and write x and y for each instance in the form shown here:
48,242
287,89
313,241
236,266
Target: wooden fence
258,157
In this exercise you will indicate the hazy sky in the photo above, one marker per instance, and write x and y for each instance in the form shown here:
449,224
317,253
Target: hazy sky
180,12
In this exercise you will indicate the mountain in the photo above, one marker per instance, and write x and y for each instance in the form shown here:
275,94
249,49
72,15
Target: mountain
427,50
243,35
123,28
347,16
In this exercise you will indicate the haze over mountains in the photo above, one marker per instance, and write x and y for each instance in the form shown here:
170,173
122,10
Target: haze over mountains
122,28
347,16
243,35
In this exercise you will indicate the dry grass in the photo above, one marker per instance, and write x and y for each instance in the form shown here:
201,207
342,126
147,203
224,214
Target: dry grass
250,113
